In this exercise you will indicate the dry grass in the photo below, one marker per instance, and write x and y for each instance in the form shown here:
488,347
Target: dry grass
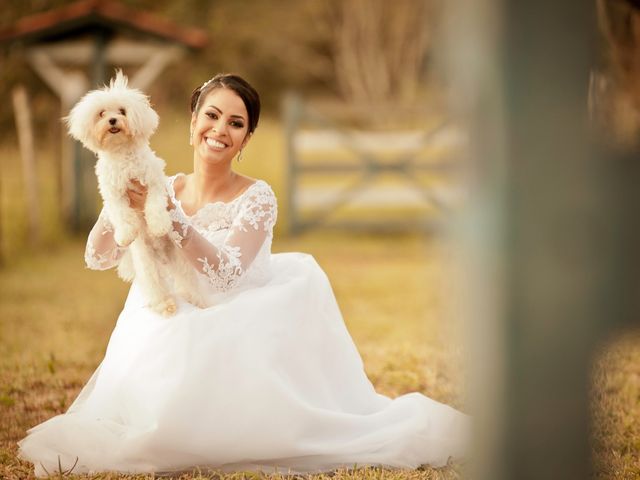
57,317
616,409
396,295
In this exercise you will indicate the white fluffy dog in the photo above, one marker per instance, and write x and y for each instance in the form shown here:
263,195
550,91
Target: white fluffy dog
116,123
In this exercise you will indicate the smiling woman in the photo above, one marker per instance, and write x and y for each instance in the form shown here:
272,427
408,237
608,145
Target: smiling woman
225,112
266,376
220,125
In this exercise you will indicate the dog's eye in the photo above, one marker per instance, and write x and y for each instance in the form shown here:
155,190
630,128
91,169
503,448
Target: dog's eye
123,111
101,113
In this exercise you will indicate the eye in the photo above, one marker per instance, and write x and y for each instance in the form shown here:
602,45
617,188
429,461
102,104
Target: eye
237,124
101,113
212,115
123,111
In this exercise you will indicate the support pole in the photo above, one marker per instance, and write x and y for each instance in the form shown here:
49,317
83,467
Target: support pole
154,66
28,156
292,110
69,86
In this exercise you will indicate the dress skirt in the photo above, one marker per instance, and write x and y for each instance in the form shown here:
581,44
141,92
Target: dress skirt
268,378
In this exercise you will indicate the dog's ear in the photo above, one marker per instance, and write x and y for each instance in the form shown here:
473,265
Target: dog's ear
143,119
80,120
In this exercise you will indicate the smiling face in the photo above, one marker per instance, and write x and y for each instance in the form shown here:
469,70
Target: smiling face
220,126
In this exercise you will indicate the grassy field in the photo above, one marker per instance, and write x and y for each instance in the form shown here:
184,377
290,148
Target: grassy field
397,295
57,317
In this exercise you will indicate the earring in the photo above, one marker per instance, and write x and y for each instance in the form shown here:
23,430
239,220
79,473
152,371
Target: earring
240,156
191,138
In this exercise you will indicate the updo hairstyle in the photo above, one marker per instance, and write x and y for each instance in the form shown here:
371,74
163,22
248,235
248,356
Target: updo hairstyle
240,86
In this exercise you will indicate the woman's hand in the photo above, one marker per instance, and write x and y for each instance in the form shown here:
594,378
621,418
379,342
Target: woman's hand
170,204
137,194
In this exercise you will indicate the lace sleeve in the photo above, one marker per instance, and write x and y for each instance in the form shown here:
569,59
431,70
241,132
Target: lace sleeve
102,251
225,266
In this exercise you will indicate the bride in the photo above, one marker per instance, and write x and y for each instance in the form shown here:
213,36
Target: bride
267,378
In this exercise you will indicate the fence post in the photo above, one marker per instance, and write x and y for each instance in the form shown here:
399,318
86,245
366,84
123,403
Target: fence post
292,106
28,156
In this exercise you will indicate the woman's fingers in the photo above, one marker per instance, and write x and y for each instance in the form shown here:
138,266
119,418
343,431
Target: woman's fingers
137,194
134,184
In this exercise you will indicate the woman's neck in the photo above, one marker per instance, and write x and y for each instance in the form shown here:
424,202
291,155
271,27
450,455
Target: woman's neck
211,182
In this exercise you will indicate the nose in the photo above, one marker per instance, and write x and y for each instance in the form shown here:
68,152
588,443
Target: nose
112,121
219,128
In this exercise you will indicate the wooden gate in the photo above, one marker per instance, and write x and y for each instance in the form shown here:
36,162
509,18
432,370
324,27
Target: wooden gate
364,179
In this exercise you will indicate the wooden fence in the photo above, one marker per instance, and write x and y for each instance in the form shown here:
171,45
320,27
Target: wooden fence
358,178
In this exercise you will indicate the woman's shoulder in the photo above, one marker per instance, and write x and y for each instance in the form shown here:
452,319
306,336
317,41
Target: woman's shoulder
257,189
258,206
176,180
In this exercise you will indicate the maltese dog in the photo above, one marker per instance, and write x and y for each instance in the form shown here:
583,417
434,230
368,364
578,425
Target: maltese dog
116,123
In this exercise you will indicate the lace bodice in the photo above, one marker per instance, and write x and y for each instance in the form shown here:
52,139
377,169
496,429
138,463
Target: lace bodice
228,243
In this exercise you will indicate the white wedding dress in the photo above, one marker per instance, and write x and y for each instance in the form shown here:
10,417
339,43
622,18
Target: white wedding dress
267,378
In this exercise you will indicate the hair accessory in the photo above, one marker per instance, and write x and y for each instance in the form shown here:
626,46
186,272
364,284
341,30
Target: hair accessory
206,83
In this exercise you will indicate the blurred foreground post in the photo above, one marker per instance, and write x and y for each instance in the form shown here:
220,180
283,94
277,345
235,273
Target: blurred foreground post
547,283
554,205
28,157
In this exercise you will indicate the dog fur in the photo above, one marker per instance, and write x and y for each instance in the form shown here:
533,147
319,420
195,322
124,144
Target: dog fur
116,123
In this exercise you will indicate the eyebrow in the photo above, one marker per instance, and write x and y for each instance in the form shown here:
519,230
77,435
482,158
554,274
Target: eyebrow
222,113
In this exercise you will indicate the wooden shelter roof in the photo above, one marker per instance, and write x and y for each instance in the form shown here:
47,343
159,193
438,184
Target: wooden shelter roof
85,15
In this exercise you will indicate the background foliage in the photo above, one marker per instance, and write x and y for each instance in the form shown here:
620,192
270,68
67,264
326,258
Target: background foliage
357,51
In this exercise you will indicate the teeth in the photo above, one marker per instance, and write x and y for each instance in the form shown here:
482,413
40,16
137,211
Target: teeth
214,143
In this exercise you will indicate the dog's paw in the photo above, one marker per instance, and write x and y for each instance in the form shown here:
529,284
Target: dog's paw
166,307
193,299
159,225
125,267
124,236
199,303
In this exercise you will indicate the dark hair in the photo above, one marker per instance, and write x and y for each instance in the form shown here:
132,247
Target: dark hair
236,83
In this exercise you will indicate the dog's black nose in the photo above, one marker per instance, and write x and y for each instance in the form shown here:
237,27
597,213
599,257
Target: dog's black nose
112,121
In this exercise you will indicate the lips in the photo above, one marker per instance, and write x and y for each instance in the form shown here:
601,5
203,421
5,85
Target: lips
114,130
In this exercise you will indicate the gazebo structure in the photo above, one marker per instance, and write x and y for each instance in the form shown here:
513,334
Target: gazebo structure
71,49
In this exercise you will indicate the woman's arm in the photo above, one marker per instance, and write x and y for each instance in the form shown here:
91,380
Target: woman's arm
225,266
102,252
